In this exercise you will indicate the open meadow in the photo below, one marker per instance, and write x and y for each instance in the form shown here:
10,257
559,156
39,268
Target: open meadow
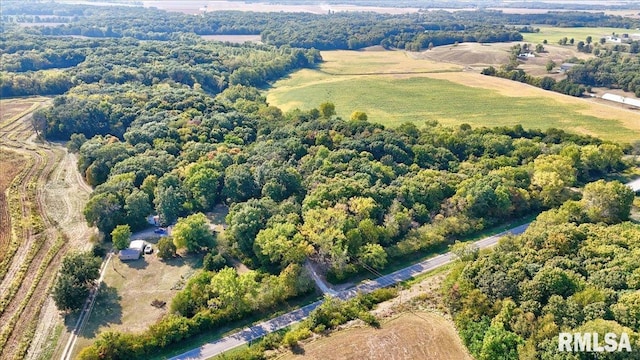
129,288
409,336
393,87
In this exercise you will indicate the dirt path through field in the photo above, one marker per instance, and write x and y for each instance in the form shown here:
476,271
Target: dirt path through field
45,201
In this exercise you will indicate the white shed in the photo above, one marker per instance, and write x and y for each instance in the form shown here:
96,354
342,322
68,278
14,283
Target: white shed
129,254
137,245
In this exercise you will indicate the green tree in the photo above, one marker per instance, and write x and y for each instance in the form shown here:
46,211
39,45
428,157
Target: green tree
234,291
627,310
608,202
213,262
104,211
120,236
359,116
327,109
137,207
500,344
204,185
550,65
239,184
325,229
465,251
552,174
169,203
75,279
244,222
193,233
373,255
282,244
166,248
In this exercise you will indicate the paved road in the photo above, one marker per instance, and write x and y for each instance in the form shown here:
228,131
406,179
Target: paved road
255,332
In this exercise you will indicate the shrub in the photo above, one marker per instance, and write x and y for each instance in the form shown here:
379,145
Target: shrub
213,262
166,248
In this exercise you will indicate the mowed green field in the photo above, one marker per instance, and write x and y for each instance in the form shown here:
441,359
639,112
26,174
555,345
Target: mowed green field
393,99
553,34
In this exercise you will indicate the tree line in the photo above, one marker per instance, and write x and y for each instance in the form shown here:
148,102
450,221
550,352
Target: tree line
342,30
31,67
614,67
573,270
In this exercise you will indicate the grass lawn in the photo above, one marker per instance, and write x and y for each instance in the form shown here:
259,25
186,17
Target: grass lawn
124,301
553,34
450,98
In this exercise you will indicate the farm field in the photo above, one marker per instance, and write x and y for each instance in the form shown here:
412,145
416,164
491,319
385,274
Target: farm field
43,200
420,335
392,88
477,56
12,164
553,34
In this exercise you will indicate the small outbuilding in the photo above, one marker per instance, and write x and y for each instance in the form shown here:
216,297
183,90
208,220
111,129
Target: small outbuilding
129,254
137,245
133,252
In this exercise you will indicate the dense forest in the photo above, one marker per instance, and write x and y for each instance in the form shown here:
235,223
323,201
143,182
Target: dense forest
574,270
347,194
31,66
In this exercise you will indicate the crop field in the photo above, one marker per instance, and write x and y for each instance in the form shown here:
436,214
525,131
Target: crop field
553,34
12,163
409,336
392,88
33,241
475,56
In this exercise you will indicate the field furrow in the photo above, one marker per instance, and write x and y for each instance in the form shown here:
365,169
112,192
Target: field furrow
33,244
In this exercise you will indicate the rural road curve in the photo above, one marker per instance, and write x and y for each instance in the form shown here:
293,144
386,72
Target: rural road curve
259,330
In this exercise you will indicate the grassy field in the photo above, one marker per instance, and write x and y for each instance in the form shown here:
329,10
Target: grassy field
408,336
392,88
124,300
553,34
